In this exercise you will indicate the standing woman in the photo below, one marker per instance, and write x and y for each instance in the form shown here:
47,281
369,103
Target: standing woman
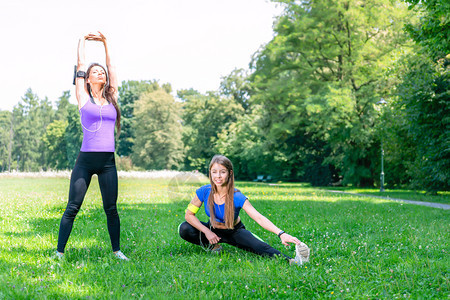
222,204
96,92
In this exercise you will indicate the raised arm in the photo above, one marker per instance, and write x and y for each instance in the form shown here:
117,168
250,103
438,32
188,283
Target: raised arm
81,93
267,224
113,81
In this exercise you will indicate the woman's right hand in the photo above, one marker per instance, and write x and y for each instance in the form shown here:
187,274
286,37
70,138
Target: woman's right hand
97,36
87,36
212,237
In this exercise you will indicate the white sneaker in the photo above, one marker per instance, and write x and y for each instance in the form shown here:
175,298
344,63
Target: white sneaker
301,254
120,255
59,255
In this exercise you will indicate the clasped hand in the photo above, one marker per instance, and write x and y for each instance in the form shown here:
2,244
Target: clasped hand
95,37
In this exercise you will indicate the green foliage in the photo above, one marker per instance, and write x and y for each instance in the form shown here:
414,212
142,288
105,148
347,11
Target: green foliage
55,143
424,94
73,135
5,139
317,81
204,117
157,127
423,98
433,30
129,92
124,163
62,106
241,142
399,147
30,119
361,247
236,86
42,137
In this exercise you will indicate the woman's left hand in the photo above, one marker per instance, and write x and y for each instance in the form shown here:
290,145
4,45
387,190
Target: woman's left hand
287,238
97,37
102,38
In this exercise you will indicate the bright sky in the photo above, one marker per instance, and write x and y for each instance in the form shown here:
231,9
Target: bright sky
187,43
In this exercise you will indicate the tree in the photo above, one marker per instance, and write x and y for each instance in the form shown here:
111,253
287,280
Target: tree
5,139
157,125
432,32
204,117
45,116
129,92
424,98
236,86
418,134
73,135
243,143
317,82
62,106
55,144
31,117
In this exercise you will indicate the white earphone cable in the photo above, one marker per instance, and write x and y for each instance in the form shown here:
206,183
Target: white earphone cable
101,121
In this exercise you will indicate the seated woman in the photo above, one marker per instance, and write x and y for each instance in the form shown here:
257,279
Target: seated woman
222,204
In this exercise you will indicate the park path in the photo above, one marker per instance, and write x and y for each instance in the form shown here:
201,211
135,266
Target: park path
423,203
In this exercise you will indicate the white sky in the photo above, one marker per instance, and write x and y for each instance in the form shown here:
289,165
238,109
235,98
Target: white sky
187,43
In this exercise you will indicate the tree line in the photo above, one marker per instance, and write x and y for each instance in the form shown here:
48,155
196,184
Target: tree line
308,108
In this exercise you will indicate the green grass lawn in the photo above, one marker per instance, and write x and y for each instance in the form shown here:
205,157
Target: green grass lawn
441,197
360,247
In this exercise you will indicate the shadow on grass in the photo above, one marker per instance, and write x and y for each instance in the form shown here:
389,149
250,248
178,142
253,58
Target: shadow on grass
154,226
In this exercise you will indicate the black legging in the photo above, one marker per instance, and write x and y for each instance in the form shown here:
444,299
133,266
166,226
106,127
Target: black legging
238,237
88,164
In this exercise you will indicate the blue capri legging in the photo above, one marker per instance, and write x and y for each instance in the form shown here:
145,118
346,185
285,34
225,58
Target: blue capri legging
238,237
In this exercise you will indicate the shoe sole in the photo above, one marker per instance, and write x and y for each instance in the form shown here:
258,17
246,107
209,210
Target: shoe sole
302,253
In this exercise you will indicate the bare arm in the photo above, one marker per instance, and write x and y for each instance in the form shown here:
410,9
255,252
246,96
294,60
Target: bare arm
113,81
194,221
267,224
80,88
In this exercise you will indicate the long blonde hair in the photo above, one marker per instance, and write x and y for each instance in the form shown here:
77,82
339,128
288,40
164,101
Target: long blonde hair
229,200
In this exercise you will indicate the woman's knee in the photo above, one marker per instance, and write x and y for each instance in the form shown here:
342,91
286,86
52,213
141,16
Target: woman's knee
186,230
72,210
111,211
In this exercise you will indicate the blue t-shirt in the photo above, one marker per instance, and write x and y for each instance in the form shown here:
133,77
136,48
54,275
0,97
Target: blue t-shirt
219,210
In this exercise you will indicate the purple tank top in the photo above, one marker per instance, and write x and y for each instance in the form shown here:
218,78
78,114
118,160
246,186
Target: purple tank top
98,127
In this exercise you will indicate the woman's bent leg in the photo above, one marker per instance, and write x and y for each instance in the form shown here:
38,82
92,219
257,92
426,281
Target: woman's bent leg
192,234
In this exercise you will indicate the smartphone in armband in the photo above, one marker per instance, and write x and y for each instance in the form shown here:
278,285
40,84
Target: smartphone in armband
74,74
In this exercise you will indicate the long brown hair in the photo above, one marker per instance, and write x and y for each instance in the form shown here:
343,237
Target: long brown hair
229,200
108,92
